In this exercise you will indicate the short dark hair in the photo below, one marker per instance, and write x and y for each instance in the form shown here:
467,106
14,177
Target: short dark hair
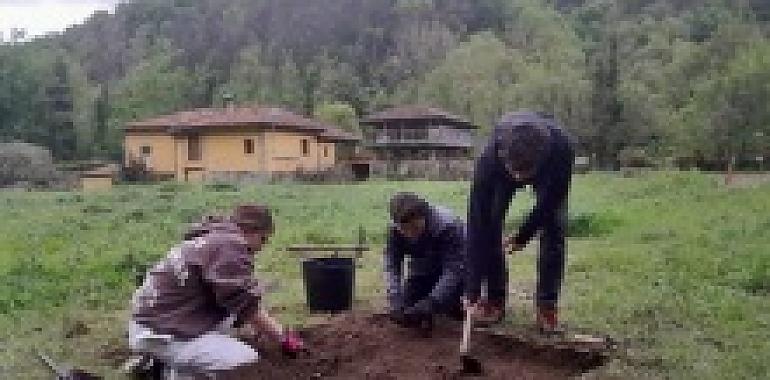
407,206
253,217
523,145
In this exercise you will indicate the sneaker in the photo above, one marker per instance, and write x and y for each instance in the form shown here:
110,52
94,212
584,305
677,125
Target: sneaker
547,320
143,366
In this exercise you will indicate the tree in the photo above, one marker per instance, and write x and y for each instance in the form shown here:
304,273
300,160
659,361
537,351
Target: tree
419,44
615,72
101,120
59,112
85,120
153,87
339,114
662,78
728,112
331,81
22,162
473,79
45,99
266,77
489,75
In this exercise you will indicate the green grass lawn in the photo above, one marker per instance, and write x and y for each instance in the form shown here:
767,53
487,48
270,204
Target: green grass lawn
672,265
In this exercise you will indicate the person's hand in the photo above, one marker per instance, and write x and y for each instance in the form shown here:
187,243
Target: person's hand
421,308
291,344
473,305
420,315
510,246
396,315
483,312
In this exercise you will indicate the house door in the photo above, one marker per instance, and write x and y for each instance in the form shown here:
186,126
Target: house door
360,171
193,174
194,152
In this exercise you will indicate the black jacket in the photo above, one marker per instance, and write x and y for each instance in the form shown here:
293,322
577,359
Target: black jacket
493,188
438,253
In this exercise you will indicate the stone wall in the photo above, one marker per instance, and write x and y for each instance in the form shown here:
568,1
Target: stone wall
237,177
423,169
438,170
335,174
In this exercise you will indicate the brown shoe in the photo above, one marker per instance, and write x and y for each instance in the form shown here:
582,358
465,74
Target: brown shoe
489,313
548,320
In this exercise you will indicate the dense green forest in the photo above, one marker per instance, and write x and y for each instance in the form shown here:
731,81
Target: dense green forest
677,78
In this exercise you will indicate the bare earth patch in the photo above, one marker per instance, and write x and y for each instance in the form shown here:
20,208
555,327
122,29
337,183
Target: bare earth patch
741,180
365,346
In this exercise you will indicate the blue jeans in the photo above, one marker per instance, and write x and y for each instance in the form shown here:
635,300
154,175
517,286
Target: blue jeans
550,264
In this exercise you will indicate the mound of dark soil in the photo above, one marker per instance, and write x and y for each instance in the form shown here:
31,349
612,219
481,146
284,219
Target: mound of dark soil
371,347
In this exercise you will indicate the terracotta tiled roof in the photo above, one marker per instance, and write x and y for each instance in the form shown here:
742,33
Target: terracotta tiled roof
334,134
415,112
216,117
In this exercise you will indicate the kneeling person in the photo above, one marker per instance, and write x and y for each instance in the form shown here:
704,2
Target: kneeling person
190,299
434,240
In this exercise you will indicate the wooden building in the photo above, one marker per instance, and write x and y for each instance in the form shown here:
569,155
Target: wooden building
419,142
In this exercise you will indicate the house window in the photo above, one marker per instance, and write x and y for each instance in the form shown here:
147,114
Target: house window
393,134
305,148
146,150
248,146
194,148
326,151
421,133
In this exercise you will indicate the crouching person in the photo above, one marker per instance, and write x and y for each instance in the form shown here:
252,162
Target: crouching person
191,298
434,240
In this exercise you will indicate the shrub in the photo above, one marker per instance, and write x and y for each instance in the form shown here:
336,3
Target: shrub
634,158
221,187
135,171
23,163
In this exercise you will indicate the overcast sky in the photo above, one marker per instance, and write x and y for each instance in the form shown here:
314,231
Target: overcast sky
41,16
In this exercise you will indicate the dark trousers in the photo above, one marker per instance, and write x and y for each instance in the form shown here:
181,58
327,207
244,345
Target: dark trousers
550,264
419,286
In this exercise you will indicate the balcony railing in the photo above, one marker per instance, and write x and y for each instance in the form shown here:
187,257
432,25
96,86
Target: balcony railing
456,140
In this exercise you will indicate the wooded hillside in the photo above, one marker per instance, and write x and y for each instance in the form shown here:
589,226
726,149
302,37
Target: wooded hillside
677,78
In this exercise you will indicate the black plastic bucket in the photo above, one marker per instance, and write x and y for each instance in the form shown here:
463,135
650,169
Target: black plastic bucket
329,283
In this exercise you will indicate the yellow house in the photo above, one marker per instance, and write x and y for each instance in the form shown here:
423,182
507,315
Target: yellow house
205,143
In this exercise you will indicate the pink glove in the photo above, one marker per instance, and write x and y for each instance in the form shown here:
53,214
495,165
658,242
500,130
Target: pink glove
291,344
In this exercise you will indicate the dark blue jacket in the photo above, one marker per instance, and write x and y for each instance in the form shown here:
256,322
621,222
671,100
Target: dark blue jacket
438,254
493,188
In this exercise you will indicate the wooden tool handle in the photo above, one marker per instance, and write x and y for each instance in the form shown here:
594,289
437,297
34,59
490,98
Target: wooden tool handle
466,331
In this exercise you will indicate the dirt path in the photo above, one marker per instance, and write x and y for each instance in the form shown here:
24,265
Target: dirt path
365,346
743,180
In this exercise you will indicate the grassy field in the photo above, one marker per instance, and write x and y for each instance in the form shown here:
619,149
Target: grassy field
674,266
